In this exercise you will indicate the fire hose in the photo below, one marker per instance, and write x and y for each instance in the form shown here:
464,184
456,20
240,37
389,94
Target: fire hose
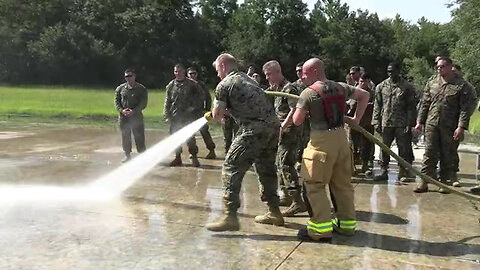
387,149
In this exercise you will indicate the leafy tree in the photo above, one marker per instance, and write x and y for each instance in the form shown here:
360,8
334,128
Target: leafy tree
467,49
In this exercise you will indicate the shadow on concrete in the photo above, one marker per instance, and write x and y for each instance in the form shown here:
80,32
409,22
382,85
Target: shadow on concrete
259,237
404,245
180,205
189,165
381,218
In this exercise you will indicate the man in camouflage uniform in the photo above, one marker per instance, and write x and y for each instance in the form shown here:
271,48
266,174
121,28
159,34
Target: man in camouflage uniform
207,106
255,142
288,145
130,99
305,130
447,104
393,116
183,104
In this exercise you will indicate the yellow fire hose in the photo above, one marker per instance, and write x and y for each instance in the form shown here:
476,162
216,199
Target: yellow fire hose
387,149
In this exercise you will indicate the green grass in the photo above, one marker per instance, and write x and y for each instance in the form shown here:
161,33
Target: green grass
86,106
69,103
475,123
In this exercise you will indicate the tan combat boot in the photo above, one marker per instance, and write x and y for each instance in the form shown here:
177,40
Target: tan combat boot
229,222
273,216
297,206
422,188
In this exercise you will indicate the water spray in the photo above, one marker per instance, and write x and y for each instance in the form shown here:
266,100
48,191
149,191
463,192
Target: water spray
110,185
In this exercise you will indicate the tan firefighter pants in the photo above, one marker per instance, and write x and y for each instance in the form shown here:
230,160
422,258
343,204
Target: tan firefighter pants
327,161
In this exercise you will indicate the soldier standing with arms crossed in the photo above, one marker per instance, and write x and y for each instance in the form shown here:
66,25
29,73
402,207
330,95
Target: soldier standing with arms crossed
130,99
255,143
327,160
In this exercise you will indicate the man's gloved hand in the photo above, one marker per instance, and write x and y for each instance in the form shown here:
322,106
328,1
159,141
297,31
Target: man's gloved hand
378,128
208,115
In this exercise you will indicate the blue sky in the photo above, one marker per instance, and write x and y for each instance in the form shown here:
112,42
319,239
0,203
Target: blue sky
412,10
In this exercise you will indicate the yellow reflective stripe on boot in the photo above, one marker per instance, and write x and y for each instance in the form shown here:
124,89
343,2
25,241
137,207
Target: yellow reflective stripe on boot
345,224
320,227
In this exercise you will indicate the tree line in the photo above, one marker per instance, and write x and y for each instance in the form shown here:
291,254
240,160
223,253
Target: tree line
91,42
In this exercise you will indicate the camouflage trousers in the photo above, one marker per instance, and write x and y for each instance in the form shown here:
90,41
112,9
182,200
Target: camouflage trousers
251,147
207,137
178,124
286,159
367,148
440,146
229,130
403,144
304,136
132,124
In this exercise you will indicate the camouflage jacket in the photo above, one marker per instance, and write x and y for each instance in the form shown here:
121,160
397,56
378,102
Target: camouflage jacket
447,103
184,100
282,104
207,105
135,98
299,85
246,102
395,104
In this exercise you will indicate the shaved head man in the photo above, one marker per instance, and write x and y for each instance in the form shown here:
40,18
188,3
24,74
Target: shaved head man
327,160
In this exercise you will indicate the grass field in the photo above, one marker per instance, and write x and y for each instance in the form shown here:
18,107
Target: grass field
68,103
86,105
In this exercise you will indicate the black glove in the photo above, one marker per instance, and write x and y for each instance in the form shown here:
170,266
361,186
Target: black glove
378,129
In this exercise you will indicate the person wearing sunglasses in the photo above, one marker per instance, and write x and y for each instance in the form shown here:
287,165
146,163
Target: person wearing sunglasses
131,98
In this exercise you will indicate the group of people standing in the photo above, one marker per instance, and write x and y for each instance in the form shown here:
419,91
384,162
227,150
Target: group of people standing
186,100
273,137
442,111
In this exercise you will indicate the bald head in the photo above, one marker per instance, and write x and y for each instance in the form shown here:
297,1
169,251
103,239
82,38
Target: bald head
225,63
313,70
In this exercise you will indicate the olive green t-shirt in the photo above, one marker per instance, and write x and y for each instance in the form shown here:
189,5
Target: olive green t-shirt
313,104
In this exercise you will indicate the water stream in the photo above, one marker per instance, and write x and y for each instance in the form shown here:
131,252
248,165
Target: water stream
110,185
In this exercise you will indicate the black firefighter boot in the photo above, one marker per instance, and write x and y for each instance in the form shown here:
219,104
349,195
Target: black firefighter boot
297,206
383,176
229,222
177,161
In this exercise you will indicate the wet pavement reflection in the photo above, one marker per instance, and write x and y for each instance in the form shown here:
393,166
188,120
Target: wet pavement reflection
158,223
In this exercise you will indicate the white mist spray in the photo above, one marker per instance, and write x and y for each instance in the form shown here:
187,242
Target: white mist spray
110,185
